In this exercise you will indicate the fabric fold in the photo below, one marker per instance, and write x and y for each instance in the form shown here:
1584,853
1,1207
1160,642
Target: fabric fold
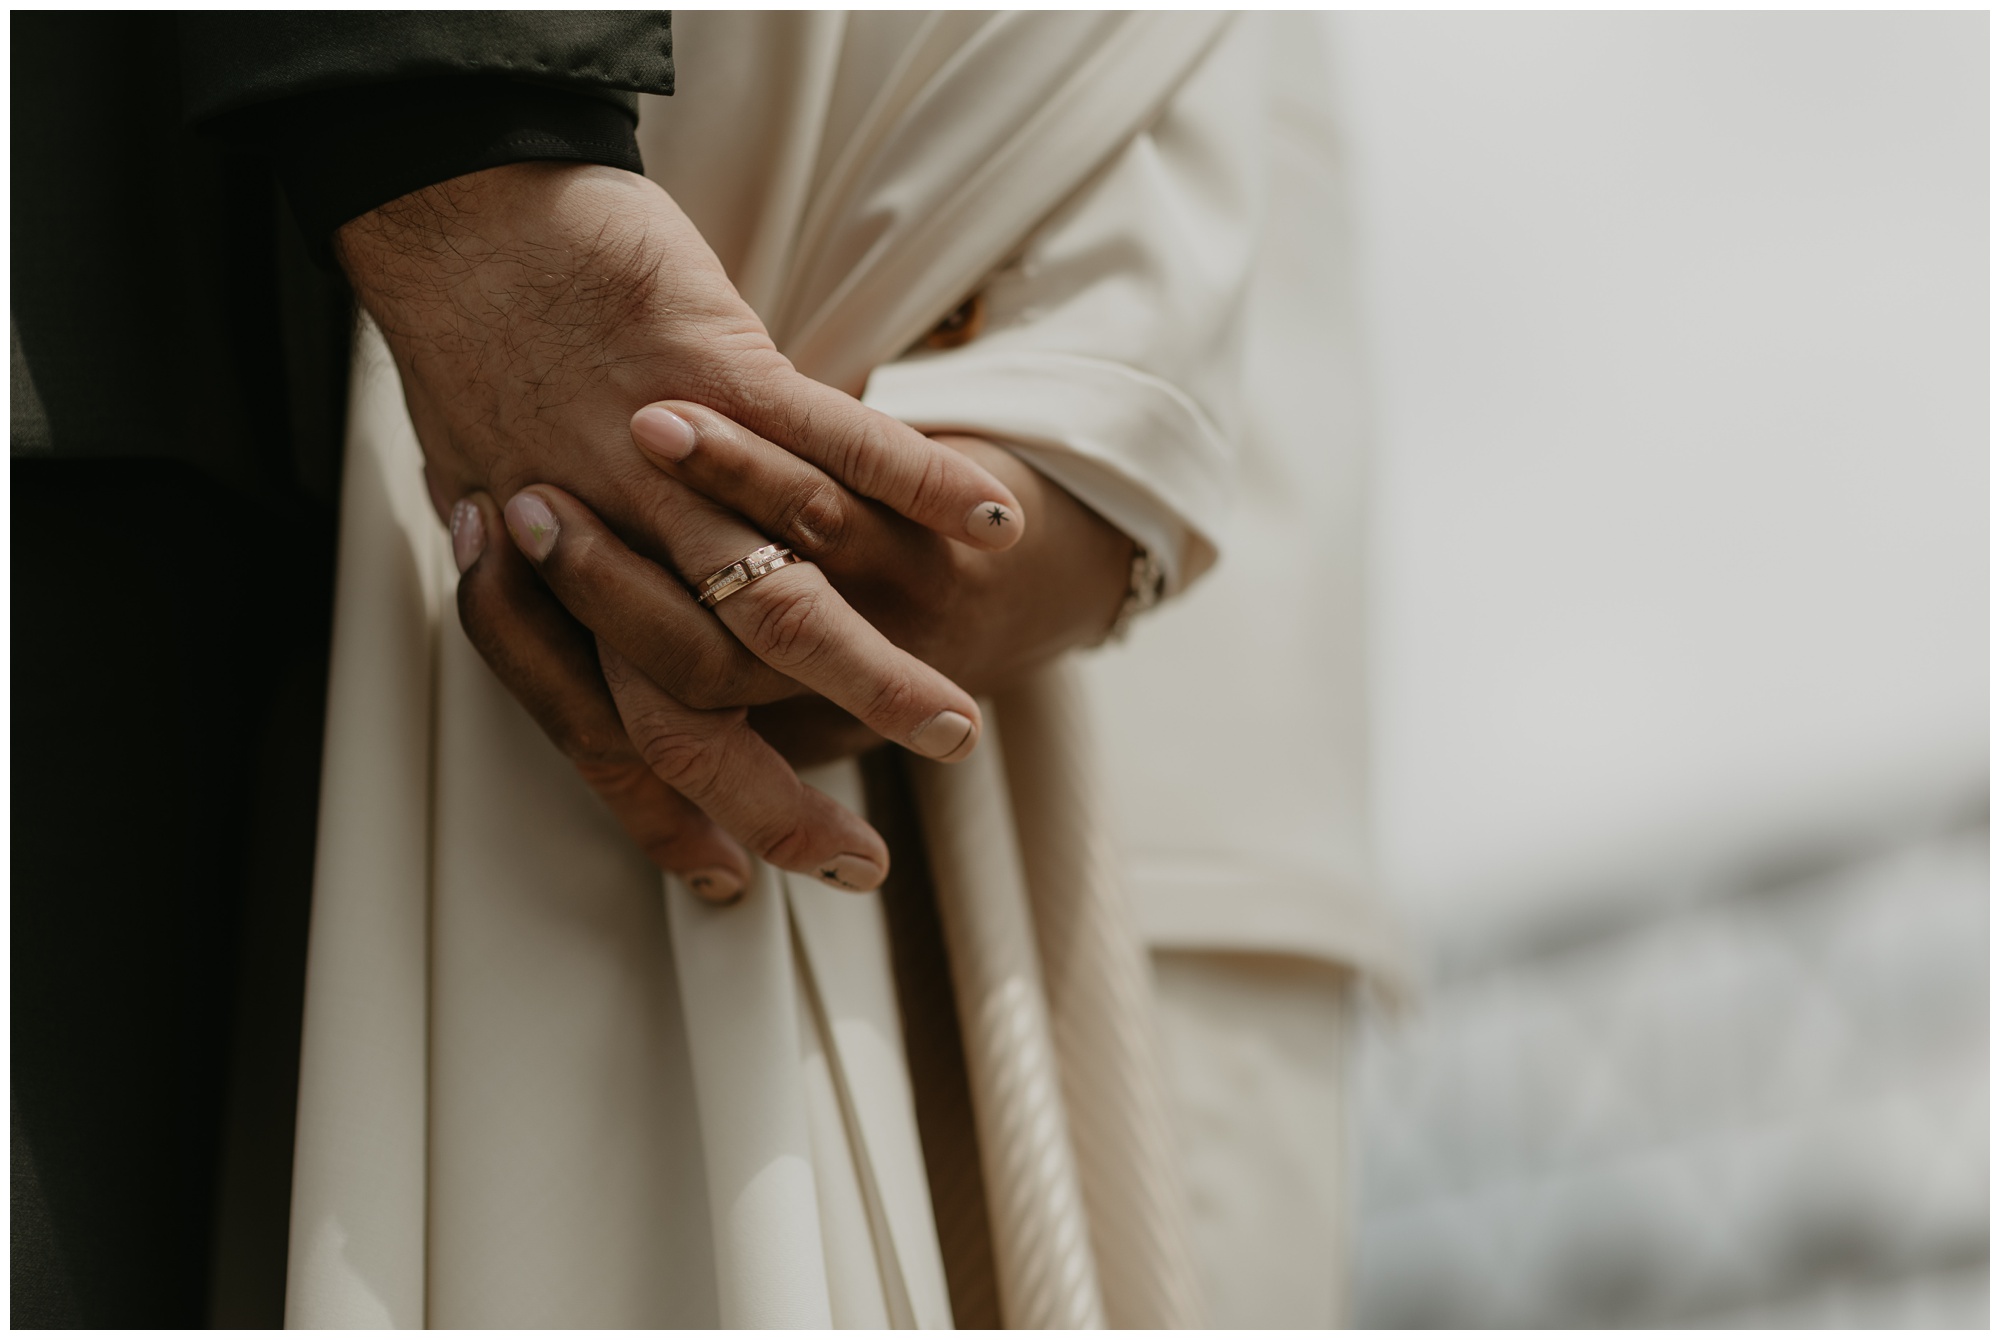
843,945
358,1208
738,989
882,302
566,1179
1041,1236
1098,981
1139,450
587,1011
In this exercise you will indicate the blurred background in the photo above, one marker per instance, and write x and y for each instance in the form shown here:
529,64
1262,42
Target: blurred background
1678,331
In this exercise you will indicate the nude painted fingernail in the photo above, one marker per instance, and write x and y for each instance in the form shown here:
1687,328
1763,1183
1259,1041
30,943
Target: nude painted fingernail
663,431
468,534
856,874
991,522
714,884
533,526
948,736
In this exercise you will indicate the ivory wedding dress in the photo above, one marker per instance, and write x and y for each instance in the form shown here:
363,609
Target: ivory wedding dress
541,1086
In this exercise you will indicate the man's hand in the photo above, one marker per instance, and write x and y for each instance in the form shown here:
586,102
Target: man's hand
532,308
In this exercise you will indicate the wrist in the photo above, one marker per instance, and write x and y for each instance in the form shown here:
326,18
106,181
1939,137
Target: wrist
512,278
345,151
533,213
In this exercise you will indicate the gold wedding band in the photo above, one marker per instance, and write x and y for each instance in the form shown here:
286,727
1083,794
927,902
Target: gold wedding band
726,582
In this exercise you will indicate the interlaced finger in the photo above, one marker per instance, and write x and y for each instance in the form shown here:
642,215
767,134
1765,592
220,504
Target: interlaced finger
797,623
880,458
642,610
548,663
717,761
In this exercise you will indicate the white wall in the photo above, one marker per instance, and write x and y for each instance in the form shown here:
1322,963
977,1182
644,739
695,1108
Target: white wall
1678,326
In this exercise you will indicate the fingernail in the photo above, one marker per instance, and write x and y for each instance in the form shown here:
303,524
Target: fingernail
944,736
857,874
533,526
663,431
714,884
468,534
991,521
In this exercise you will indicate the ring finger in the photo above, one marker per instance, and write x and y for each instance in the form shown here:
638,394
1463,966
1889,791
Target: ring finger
795,622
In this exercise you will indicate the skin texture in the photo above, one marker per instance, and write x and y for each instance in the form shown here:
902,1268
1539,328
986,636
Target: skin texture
984,617
532,308
980,617
531,311
988,617
550,663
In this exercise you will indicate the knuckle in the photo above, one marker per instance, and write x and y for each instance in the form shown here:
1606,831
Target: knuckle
815,519
581,560
685,760
894,699
791,627
935,483
864,456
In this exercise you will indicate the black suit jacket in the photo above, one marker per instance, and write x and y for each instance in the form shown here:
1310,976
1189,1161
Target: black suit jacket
179,363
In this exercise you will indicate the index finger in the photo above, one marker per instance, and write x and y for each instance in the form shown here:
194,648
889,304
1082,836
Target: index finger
869,452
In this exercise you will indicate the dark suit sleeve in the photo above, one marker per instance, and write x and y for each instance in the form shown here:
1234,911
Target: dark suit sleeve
356,109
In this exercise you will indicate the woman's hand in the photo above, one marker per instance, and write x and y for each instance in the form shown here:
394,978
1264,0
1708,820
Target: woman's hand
979,617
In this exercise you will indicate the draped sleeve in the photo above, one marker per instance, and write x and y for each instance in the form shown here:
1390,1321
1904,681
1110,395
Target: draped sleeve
1111,350
1175,344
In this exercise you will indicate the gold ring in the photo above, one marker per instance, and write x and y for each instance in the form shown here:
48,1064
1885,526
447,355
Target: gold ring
727,581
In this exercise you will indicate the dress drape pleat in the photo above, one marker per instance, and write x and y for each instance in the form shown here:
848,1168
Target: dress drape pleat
1097,978
539,1087
358,1169
1041,1239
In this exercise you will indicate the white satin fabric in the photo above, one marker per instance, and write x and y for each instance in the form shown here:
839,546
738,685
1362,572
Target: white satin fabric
539,1089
